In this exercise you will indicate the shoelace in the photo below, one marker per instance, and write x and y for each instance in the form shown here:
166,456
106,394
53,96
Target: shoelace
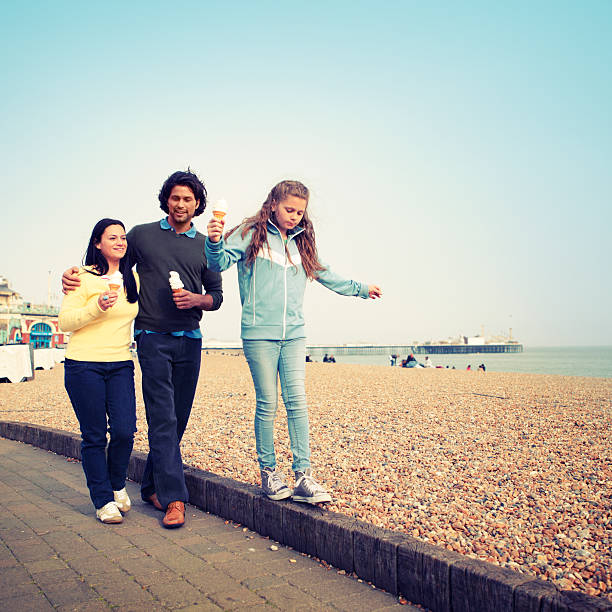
275,481
311,484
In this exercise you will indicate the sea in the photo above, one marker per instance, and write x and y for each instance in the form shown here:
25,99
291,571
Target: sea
564,360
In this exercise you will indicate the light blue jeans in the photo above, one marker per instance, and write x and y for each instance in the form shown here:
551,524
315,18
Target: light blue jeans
269,360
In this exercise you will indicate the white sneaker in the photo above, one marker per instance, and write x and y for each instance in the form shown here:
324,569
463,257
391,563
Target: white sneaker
109,513
122,499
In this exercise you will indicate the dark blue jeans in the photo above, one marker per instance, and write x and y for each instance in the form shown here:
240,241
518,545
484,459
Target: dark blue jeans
170,368
102,395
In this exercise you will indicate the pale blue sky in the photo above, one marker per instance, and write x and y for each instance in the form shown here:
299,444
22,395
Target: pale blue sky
458,154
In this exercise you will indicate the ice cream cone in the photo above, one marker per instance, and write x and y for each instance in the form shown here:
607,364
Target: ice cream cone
219,209
176,284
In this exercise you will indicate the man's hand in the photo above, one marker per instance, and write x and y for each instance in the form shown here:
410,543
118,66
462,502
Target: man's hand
70,279
374,291
185,299
215,229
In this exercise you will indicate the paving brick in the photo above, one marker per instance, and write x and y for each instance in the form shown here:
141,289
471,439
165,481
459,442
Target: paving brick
114,577
13,575
121,594
256,583
69,592
96,563
211,580
31,602
178,593
239,597
46,565
183,563
287,597
370,600
241,568
324,585
21,589
95,605
146,579
55,577
207,606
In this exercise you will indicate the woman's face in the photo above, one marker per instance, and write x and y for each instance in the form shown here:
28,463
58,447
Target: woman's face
113,243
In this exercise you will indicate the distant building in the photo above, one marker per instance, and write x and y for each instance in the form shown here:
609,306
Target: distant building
26,323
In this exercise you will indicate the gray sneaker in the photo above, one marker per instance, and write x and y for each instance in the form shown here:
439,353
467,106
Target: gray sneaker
308,490
273,485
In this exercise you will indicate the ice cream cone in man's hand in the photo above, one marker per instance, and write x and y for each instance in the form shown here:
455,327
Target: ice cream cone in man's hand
176,284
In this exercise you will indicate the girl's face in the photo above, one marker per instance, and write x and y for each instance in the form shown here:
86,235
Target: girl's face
288,213
113,243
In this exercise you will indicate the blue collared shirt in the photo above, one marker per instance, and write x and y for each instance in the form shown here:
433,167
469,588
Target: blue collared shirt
194,333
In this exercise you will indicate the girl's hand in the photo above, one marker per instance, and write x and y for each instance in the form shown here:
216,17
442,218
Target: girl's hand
374,291
107,299
215,229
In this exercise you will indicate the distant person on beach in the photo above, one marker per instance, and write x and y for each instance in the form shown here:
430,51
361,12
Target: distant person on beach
98,367
276,253
168,334
469,367
410,362
428,363
482,368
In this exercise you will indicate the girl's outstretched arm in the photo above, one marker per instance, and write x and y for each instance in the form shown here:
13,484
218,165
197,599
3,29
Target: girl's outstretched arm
343,286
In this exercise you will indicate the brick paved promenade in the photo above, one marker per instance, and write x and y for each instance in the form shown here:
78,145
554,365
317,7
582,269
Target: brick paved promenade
54,554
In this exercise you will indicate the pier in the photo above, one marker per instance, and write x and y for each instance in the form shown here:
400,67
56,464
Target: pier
416,349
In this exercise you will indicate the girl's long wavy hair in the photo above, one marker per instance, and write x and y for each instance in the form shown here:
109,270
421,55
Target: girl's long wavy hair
305,240
97,261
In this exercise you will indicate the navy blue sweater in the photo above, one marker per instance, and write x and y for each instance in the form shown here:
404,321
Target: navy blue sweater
157,251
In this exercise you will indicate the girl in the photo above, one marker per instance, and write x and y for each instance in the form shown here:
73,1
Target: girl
276,253
99,371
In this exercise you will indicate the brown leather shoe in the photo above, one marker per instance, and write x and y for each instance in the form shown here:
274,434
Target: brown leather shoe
175,515
154,502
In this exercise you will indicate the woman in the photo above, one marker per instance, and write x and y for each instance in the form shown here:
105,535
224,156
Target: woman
99,370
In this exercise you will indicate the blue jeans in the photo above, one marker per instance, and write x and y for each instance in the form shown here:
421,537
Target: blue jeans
269,360
98,390
170,368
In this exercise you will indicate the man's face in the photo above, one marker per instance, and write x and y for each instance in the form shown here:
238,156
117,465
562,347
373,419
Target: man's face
181,205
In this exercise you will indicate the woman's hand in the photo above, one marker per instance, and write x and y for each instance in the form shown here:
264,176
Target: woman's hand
215,229
70,279
107,299
374,291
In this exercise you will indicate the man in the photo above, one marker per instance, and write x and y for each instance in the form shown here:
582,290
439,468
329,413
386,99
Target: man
167,333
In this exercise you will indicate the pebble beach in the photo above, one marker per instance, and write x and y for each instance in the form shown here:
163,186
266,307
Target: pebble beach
514,469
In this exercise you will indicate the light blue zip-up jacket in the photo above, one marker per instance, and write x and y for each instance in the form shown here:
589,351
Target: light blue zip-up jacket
272,288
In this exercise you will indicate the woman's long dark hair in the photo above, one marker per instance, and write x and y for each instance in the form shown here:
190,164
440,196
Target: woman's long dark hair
97,261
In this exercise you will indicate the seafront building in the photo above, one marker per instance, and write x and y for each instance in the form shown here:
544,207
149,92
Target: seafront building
22,322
